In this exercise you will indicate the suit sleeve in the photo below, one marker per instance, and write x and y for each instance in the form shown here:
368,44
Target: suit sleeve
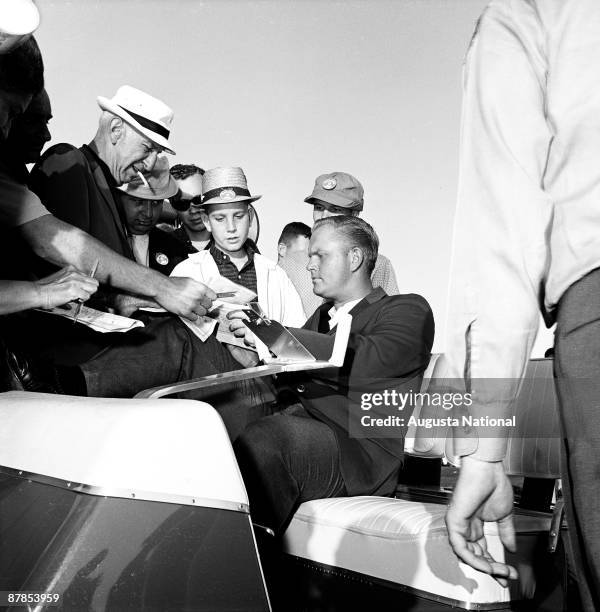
60,181
397,345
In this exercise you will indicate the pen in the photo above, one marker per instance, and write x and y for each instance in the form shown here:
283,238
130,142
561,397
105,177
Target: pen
80,301
225,294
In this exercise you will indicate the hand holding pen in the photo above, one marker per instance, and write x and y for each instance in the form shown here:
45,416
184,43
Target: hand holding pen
80,300
66,285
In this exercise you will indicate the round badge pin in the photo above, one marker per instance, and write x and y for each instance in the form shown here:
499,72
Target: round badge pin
162,259
329,183
227,194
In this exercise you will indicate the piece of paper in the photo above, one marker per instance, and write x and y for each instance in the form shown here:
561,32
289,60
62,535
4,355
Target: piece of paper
103,322
154,309
204,326
220,284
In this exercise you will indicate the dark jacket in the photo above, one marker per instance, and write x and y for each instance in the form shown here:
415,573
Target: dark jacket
165,251
389,348
182,236
77,187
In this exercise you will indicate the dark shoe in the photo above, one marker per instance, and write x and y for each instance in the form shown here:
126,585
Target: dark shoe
24,374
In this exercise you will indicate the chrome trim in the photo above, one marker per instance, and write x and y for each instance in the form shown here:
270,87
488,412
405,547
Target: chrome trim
251,525
346,574
213,380
78,487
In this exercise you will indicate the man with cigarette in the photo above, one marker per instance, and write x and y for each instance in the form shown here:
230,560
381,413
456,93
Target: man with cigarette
76,184
22,213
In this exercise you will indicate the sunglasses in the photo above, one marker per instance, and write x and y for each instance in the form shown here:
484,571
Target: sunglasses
183,204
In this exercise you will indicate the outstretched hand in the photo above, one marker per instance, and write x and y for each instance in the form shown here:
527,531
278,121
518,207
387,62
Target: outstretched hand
482,493
185,297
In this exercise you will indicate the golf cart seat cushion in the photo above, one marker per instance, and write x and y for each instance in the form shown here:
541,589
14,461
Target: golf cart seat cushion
406,543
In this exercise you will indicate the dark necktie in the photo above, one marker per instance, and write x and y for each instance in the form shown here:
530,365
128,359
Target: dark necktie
324,319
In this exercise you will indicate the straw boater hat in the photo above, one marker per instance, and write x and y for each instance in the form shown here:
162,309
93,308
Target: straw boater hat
338,188
161,184
18,20
146,114
224,185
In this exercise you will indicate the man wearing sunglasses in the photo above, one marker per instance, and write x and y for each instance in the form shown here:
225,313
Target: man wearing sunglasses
192,233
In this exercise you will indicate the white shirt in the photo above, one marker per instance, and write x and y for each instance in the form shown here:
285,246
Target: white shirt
527,223
335,313
140,244
200,245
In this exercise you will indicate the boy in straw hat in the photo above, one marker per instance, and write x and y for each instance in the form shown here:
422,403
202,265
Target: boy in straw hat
231,254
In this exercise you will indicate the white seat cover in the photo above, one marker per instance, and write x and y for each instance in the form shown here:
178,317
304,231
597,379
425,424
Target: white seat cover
406,543
147,449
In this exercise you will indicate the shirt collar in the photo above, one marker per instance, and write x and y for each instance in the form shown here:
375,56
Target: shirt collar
335,313
215,251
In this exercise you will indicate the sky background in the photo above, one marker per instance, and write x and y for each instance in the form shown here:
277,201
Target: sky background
289,90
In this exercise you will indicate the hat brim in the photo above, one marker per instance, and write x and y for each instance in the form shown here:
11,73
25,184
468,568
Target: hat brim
115,109
145,193
217,200
334,199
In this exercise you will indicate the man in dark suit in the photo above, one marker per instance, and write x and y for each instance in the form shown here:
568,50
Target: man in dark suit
321,446
78,186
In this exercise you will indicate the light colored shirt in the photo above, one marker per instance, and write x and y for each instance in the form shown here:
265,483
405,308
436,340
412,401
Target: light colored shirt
335,313
383,275
527,223
295,267
140,244
200,245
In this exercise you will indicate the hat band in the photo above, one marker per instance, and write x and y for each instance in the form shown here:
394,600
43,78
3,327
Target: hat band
213,193
148,123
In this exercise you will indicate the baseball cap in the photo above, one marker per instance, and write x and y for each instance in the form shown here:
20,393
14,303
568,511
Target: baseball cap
339,189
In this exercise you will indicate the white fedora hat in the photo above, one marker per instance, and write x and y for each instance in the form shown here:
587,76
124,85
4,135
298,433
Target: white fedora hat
159,183
145,113
224,185
18,20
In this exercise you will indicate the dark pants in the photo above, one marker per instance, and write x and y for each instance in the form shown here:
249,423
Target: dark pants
166,351
287,459
577,372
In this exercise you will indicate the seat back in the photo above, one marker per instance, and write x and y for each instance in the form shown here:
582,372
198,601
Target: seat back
534,444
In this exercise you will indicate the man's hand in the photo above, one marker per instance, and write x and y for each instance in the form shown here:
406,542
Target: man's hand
185,297
66,285
238,328
482,493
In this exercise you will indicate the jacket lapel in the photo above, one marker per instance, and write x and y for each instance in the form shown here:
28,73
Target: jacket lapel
105,191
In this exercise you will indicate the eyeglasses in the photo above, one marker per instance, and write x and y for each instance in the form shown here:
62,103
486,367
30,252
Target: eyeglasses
182,204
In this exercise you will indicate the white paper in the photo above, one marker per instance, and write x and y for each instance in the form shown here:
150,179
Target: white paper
103,322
